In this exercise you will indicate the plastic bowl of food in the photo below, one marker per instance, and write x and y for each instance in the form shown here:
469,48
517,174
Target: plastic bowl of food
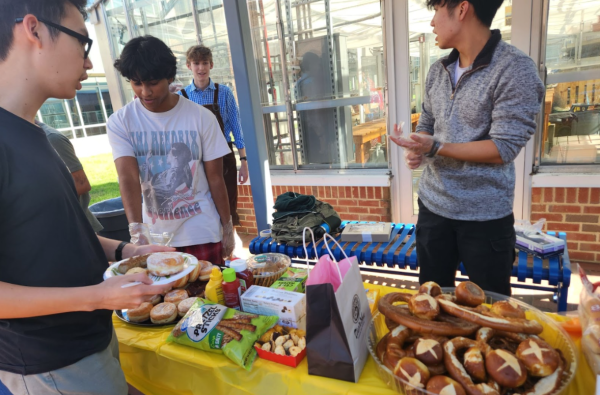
267,268
553,334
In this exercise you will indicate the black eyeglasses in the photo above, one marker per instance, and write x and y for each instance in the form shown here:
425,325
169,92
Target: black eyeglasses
84,40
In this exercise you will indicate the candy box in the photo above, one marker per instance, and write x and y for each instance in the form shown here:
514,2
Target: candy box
290,307
293,280
287,360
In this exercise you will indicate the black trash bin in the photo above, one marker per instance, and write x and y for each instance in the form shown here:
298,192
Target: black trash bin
111,215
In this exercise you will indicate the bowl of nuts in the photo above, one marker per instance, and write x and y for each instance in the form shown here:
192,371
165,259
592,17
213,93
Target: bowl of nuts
283,345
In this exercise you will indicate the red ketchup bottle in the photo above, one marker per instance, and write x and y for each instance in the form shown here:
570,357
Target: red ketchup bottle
231,289
243,274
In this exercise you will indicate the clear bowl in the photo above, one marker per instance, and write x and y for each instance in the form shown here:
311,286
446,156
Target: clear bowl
553,334
268,268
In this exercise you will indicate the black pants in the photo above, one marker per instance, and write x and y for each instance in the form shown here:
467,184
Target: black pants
230,177
487,250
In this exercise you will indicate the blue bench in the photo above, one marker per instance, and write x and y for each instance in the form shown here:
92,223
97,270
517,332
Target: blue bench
400,253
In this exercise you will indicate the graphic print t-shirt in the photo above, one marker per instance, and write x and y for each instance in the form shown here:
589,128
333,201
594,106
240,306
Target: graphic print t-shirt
170,148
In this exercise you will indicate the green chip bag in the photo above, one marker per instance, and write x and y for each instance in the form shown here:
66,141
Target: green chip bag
212,327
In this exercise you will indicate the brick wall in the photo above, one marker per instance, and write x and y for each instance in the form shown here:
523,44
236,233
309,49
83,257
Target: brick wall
575,211
352,203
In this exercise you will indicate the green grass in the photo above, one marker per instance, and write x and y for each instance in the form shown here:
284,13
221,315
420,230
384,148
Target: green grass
101,173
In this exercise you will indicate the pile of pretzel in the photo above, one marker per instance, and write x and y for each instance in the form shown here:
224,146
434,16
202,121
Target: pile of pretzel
456,345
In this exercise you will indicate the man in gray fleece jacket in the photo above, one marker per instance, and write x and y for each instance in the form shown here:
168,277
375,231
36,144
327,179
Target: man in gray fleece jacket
478,112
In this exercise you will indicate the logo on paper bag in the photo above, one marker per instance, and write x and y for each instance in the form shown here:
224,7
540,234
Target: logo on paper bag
357,317
202,321
355,308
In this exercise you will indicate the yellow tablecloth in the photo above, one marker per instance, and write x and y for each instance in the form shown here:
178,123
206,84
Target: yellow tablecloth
159,368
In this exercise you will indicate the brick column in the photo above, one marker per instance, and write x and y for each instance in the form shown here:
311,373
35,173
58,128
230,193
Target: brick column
575,211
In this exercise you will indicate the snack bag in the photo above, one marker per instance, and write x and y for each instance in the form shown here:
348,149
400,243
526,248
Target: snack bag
212,327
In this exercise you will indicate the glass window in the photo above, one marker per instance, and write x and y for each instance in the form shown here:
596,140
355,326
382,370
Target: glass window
213,33
571,125
334,69
54,114
424,52
172,22
74,112
90,105
95,131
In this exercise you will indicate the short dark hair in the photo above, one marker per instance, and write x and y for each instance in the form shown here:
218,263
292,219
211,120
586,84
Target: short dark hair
198,53
146,58
484,9
51,10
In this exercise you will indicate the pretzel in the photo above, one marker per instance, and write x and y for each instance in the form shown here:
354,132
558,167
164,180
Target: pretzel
548,384
458,372
238,326
401,315
517,325
230,332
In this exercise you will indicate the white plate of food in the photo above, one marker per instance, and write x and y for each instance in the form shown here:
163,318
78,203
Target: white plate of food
161,267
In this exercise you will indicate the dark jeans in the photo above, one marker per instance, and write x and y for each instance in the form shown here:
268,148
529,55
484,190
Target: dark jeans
487,250
230,177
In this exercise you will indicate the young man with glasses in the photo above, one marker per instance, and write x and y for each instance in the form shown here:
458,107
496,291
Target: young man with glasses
479,111
56,332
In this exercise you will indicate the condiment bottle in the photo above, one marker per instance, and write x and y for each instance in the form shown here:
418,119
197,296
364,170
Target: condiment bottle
243,274
214,288
231,289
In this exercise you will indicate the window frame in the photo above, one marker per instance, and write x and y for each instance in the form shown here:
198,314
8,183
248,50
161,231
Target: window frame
549,79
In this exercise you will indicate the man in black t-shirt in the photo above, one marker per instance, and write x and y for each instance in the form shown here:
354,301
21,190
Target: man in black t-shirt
56,332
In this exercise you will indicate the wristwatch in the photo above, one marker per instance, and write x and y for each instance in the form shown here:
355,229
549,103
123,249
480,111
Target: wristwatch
119,251
243,158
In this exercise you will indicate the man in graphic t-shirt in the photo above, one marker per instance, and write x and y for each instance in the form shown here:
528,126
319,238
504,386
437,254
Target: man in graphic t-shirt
168,152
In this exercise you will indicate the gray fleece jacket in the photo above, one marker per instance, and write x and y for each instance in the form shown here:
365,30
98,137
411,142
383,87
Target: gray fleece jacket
496,100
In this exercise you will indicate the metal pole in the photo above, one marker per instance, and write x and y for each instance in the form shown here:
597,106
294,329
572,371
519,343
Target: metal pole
212,19
196,22
248,93
130,22
286,83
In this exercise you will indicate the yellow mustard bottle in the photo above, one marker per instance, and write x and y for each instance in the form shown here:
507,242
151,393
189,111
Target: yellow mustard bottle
214,288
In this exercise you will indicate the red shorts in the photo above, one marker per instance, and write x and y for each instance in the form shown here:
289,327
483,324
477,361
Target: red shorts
211,252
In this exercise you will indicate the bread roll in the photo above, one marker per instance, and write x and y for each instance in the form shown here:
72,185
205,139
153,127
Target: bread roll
443,385
205,270
141,313
194,274
184,306
156,299
181,282
539,357
176,296
163,313
165,263
505,368
469,294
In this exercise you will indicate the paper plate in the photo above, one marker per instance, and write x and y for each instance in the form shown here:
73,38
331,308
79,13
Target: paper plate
189,264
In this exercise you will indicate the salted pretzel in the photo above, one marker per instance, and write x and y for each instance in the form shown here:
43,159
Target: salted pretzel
443,326
517,325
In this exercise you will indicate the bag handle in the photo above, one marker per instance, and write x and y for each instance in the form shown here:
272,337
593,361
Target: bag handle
304,245
336,243
331,254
